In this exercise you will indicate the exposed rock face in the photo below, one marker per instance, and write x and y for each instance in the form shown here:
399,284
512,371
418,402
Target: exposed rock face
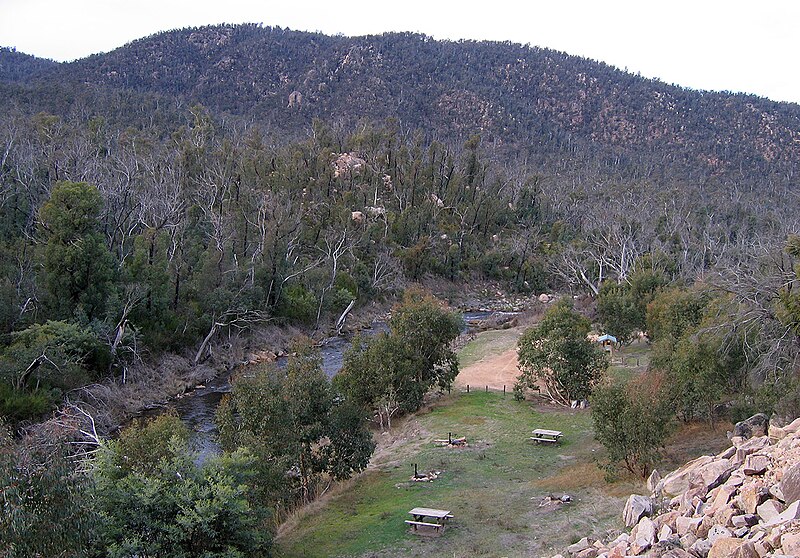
348,164
742,503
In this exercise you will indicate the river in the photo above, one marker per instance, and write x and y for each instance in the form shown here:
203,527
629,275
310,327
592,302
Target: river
198,407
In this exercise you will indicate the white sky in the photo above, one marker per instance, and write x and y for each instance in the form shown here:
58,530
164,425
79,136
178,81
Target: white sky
735,45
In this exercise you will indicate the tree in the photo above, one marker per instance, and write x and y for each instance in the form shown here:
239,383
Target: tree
47,506
632,423
622,307
292,421
427,329
391,372
78,266
155,500
557,353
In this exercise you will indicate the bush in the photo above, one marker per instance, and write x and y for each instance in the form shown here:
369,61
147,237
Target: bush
298,304
632,423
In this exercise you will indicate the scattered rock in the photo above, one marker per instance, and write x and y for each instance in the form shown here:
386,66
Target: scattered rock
643,535
653,482
769,510
579,546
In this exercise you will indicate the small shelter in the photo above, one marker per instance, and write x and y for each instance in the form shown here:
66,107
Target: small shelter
608,342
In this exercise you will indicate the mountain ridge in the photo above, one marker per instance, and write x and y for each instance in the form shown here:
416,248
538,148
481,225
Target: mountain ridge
524,100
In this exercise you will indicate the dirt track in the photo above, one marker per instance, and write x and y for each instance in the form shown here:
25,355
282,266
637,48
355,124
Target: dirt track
495,371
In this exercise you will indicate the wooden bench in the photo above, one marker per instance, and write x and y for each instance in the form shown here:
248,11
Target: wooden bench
424,524
419,515
549,436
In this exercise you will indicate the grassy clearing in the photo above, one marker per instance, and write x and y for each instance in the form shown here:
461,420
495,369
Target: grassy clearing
494,487
489,343
630,360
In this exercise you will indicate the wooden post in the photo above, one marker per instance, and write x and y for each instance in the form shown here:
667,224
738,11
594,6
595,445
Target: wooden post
450,438
504,389
467,388
415,470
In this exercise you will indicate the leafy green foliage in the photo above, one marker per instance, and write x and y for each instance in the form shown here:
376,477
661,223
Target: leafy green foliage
44,360
632,423
391,372
47,508
291,420
557,353
622,307
78,266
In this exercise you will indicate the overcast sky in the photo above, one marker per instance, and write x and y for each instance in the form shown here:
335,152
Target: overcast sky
732,45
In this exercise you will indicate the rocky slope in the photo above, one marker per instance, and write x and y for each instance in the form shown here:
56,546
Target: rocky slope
741,503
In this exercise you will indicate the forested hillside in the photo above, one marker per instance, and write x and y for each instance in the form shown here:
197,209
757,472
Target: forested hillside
536,103
162,202
209,180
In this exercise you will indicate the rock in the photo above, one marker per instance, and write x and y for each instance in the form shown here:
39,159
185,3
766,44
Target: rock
769,510
793,427
776,432
700,547
653,480
752,445
678,481
776,492
684,525
635,508
790,513
579,546
751,496
741,532
746,520
716,472
620,550
790,484
716,532
590,552
357,217
722,496
665,533
756,464
677,553
790,544
544,299
730,547
725,516
643,535
757,425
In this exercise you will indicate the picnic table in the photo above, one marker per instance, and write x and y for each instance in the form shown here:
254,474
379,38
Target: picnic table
437,522
544,435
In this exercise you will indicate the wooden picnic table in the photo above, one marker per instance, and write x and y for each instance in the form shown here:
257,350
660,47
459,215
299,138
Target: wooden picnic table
544,435
437,522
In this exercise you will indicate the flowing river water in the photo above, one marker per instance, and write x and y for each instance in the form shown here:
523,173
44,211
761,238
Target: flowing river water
197,408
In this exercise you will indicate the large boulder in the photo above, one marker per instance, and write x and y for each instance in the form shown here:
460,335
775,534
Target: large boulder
731,547
677,482
643,536
635,508
757,425
790,484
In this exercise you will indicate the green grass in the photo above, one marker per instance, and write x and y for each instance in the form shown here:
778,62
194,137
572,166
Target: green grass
494,488
629,361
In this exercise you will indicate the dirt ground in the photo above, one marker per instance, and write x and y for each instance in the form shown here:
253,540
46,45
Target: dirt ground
494,371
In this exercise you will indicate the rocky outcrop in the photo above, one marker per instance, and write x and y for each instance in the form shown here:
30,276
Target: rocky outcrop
741,503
